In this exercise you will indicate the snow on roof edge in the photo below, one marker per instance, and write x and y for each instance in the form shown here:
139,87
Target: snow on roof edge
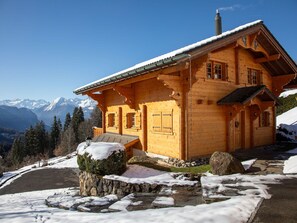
173,53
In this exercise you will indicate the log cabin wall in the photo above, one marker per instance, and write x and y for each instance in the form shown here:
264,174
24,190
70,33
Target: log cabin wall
208,132
154,97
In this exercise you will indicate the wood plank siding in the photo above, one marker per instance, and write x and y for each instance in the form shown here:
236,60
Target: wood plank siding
218,94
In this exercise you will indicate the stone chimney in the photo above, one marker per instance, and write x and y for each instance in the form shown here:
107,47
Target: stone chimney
218,23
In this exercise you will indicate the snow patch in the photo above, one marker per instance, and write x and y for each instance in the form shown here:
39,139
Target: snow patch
287,93
290,165
166,201
248,163
99,150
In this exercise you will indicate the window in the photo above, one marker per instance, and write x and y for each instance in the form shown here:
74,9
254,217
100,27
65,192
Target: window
133,120
264,119
163,122
111,120
216,70
130,120
254,76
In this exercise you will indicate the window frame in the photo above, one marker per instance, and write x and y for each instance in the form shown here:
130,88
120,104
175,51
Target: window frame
254,76
111,120
216,70
264,119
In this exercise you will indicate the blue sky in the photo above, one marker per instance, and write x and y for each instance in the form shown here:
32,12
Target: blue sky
50,47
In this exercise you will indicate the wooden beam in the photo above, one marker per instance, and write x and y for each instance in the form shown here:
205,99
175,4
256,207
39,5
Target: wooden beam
232,45
100,100
268,59
250,42
278,83
144,76
127,93
144,128
175,84
236,58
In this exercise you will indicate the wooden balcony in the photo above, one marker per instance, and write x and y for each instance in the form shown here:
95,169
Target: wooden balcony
97,131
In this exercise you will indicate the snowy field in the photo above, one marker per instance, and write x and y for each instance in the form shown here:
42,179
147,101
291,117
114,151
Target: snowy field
30,206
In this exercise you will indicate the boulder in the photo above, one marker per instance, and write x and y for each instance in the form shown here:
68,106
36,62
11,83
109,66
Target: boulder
1,171
102,158
224,164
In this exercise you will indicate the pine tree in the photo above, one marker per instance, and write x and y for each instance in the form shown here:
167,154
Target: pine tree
42,138
67,121
55,134
96,117
18,151
77,118
85,130
31,142
68,143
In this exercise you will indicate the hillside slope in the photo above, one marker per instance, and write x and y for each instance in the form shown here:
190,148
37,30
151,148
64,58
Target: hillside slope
16,118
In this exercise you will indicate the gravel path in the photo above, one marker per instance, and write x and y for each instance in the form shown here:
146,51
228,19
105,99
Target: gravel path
43,179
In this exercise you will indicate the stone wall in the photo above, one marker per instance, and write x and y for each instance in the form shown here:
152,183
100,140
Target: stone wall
94,185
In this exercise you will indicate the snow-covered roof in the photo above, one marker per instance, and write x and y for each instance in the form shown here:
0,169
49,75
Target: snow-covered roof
165,59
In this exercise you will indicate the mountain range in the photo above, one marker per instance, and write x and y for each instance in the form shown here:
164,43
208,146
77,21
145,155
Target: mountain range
42,109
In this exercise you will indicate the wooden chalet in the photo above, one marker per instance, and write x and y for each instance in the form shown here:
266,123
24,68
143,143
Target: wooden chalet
218,94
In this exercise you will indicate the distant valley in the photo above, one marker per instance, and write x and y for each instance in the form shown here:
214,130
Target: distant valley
18,115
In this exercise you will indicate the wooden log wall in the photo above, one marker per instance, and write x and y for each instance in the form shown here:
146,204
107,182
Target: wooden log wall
152,96
209,132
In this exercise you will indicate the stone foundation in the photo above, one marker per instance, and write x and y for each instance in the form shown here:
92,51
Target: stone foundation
94,185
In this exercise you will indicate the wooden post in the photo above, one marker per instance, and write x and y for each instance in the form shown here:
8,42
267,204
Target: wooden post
103,113
120,121
242,129
273,124
236,65
144,128
227,131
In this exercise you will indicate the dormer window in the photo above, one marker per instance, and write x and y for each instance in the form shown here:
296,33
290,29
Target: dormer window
216,70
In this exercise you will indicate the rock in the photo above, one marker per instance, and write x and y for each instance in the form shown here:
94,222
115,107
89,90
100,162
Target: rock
224,164
1,171
113,164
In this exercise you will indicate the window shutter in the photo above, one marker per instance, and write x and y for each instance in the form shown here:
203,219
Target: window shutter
157,122
137,120
126,121
260,78
167,123
116,120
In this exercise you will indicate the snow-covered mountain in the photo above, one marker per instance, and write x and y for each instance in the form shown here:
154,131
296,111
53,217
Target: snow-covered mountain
59,107
25,103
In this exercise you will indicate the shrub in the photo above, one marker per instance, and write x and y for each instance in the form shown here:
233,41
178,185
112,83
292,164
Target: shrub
114,164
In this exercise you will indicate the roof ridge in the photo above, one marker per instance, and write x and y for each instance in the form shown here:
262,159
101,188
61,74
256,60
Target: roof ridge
168,56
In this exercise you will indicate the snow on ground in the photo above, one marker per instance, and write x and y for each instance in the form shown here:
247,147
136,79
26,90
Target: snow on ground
30,207
288,118
290,165
292,151
287,93
248,163
68,161
136,171
147,175
99,150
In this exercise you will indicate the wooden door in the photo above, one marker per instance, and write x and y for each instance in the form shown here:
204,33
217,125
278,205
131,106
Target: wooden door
237,131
